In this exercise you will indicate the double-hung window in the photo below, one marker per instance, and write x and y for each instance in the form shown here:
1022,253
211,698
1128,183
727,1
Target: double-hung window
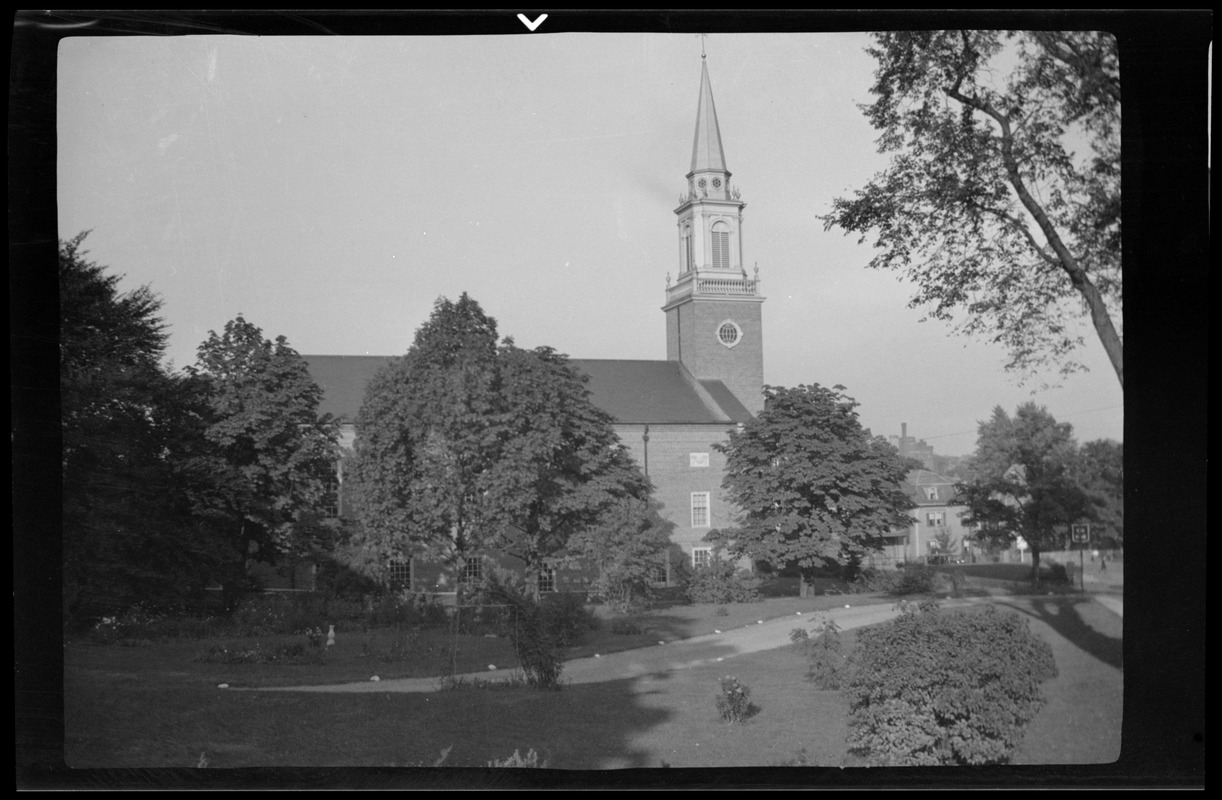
700,510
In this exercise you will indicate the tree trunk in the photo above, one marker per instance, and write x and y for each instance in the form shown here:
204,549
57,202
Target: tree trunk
1035,564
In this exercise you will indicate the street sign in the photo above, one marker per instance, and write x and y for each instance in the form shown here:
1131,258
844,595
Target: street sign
1080,533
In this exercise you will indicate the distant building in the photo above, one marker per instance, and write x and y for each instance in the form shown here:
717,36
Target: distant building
935,520
911,447
669,414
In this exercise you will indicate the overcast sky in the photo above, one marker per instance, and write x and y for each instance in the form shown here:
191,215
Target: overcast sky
331,188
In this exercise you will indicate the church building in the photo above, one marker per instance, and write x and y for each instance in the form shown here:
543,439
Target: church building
669,414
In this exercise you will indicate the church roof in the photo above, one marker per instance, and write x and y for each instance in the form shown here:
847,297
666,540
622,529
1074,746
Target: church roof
658,392
706,149
631,391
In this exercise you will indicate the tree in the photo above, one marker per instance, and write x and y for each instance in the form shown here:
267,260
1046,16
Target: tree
559,465
627,547
128,533
1024,487
814,488
1099,470
1002,199
464,445
264,474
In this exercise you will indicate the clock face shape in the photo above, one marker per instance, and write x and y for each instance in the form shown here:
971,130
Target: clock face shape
717,183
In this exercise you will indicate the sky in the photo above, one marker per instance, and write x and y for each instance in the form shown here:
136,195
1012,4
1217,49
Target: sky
330,189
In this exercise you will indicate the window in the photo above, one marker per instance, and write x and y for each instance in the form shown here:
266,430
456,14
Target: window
935,519
728,333
473,569
687,248
931,492
399,574
698,459
547,580
700,510
331,495
658,574
701,556
721,245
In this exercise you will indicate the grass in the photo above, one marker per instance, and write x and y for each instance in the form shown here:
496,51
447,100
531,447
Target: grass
126,719
154,706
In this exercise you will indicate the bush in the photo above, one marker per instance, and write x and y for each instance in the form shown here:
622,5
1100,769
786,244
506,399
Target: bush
824,652
405,609
569,618
909,579
721,582
538,634
734,700
935,688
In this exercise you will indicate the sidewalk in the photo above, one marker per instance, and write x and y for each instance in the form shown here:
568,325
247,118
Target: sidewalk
677,655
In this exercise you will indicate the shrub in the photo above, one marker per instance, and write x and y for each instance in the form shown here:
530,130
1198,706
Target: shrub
734,700
404,609
909,579
569,618
721,582
824,652
537,634
935,688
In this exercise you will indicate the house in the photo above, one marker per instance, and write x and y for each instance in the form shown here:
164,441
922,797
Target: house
669,414
935,519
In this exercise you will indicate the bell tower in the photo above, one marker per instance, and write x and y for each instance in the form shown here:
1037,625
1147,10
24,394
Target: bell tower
713,309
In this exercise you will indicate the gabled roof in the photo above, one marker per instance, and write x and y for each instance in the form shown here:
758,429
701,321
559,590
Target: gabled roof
658,392
654,392
918,480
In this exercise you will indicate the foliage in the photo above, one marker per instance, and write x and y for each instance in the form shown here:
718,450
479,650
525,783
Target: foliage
264,477
734,700
256,654
530,760
937,688
815,489
1024,486
827,663
628,546
539,635
721,581
405,609
465,445
1002,199
1098,470
127,423
907,580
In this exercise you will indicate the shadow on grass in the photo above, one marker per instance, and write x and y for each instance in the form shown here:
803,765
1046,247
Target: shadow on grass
1061,613
163,723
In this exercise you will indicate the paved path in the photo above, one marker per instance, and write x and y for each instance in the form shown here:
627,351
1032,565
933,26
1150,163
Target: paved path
677,655
684,653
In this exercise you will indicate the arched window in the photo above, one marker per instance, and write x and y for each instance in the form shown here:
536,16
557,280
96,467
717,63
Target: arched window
721,245
687,248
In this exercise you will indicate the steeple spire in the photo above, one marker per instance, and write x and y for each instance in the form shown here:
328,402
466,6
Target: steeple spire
707,154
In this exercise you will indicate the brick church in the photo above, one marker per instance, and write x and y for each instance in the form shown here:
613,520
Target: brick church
670,413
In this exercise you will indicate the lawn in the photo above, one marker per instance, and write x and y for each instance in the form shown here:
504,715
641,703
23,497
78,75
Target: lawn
117,715
155,705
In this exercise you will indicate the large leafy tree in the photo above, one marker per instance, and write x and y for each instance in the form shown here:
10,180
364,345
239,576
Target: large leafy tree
814,488
1099,470
466,445
127,423
263,476
559,466
628,549
1002,199
1024,484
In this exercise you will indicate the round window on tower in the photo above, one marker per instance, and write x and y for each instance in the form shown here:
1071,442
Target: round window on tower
729,334
717,183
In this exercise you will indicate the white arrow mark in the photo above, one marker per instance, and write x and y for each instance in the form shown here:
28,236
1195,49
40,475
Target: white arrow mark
532,25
